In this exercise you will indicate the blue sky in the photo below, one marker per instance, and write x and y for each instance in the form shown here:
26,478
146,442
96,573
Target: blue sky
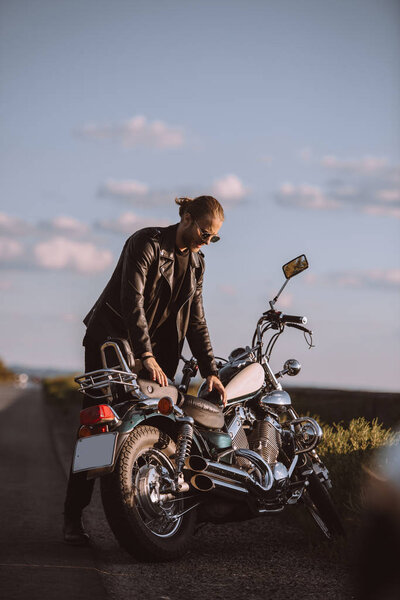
285,111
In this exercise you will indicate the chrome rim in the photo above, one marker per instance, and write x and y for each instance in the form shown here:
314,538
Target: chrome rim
152,480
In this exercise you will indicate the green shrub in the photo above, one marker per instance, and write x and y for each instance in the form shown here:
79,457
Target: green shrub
344,450
62,391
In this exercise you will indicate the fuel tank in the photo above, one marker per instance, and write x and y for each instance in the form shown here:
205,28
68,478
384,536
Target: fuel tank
241,381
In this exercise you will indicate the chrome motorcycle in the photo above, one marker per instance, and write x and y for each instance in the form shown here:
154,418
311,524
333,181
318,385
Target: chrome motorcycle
168,460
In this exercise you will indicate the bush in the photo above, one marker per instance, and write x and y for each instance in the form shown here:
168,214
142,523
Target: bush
62,391
5,373
344,450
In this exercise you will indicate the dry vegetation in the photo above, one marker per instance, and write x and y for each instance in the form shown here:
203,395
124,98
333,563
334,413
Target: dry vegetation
6,375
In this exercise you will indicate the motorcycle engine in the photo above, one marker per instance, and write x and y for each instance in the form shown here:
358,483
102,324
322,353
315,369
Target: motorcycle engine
265,439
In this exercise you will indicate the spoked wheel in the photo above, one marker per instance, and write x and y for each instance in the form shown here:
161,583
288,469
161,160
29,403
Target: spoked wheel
319,504
147,519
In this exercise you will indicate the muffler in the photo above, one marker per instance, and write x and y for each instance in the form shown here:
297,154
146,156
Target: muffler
228,478
204,483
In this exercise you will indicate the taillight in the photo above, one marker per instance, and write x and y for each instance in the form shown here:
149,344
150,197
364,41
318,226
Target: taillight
165,405
100,413
86,430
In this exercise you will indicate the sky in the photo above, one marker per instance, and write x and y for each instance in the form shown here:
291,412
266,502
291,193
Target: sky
287,112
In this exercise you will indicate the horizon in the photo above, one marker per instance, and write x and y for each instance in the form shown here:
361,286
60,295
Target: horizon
287,113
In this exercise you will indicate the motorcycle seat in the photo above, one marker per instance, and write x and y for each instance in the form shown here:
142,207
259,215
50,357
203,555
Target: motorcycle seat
152,389
203,412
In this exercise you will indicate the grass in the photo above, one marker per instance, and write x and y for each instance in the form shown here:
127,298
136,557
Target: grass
345,449
62,391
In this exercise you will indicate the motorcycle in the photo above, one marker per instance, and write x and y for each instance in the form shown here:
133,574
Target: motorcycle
169,461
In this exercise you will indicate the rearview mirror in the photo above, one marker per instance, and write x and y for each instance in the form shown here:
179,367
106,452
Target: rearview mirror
295,266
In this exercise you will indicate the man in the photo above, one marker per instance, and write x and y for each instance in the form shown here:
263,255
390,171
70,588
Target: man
154,300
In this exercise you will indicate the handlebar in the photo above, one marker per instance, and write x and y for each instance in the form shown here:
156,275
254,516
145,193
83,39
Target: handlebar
293,319
189,370
276,317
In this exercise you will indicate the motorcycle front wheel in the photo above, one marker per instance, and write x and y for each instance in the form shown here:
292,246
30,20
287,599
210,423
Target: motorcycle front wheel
145,518
319,504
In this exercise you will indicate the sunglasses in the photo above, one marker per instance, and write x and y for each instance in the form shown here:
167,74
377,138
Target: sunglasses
205,235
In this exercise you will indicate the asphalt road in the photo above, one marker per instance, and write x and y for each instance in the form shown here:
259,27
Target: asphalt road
264,558
34,563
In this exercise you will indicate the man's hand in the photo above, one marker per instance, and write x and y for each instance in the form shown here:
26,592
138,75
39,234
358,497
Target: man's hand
156,372
213,383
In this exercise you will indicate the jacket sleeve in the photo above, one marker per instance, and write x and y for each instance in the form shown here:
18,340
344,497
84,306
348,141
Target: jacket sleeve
198,336
138,257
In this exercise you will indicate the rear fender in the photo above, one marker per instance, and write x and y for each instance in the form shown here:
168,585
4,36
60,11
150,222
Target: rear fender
167,424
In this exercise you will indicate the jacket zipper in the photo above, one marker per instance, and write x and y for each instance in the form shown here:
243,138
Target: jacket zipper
113,309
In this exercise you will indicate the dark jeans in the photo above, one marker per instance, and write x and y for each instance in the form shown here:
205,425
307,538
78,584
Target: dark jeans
79,488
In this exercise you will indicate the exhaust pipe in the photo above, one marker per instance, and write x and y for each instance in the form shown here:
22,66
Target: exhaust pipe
229,478
204,483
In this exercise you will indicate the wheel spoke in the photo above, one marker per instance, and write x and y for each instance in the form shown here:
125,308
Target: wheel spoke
151,472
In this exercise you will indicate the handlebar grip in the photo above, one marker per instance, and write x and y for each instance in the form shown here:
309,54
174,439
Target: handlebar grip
293,319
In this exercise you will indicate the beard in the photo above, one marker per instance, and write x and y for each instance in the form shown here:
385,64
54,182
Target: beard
193,244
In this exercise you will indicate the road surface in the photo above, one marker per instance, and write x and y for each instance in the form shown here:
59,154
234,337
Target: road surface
254,560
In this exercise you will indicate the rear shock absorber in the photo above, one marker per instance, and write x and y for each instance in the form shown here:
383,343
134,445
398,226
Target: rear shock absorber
184,442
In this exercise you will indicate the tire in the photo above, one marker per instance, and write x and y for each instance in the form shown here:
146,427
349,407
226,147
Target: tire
142,525
319,504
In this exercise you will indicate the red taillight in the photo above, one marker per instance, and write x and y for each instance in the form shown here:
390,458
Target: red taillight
165,405
101,413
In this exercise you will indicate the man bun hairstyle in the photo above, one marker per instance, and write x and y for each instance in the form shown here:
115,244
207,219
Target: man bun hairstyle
200,207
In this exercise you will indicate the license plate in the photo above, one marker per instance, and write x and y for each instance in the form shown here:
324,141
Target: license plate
94,452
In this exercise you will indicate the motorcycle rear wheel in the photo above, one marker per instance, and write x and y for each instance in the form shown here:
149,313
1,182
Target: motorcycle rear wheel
149,529
319,504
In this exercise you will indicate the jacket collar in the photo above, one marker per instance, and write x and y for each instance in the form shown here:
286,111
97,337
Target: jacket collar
167,245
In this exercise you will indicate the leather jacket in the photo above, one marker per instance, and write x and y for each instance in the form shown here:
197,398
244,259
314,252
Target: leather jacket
135,303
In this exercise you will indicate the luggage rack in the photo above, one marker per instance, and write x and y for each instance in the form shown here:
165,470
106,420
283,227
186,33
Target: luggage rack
104,378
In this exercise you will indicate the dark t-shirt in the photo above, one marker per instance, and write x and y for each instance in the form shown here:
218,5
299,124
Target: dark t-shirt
180,270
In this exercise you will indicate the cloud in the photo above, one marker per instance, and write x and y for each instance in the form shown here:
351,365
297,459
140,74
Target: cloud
267,159
61,253
70,318
129,189
372,278
367,185
366,165
382,211
5,285
305,154
10,249
285,301
13,225
64,225
389,195
305,196
128,223
137,131
229,188
227,289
